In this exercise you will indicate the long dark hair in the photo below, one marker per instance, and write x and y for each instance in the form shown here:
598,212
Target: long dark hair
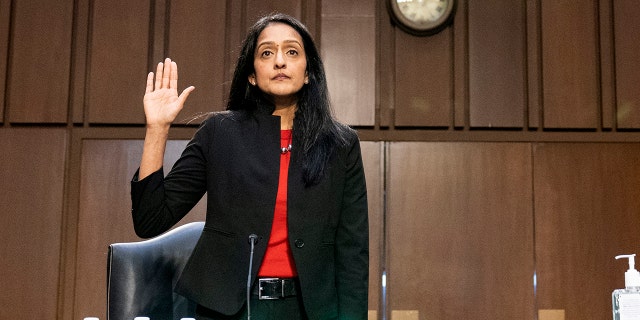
315,132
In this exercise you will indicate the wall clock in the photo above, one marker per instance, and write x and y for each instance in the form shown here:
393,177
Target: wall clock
421,17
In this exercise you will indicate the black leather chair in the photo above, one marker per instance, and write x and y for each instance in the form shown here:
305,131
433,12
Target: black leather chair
141,275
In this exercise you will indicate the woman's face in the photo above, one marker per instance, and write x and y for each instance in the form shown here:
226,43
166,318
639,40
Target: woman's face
280,64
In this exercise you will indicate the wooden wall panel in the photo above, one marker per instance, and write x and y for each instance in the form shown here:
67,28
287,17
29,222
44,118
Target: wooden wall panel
570,64
40,56
5,10
372,161
348,52
197,43
258,8
472,199
105,213
586,206
497,73
423,79
118,60
460,230
31,208
627,60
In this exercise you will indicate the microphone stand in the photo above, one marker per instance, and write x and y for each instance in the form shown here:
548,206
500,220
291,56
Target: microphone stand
252,240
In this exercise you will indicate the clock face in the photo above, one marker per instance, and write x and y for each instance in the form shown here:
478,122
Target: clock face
421,17
423,11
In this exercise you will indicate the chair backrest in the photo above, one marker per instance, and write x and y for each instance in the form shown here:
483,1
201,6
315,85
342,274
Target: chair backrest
141,275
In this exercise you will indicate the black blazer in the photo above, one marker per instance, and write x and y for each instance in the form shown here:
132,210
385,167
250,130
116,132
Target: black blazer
235,160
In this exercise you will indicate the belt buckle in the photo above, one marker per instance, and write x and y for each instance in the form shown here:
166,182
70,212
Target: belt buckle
271,295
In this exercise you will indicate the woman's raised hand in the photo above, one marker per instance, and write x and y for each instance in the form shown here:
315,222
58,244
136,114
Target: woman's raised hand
161,100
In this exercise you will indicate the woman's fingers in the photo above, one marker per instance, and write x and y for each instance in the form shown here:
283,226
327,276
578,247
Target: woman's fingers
166,76
159,68
166,73
173,77
149,87
185,93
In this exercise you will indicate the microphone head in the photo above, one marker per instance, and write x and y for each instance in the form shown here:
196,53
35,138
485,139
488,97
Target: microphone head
253,238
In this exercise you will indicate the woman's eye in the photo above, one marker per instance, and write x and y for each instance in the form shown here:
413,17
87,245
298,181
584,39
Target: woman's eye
292,52
266,53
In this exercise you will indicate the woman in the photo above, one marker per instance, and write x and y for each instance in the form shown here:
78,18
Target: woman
281,177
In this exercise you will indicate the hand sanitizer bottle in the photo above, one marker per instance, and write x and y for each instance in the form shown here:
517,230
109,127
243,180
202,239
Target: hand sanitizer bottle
626,302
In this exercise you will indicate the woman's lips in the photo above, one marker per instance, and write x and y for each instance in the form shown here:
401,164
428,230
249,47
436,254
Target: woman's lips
281,76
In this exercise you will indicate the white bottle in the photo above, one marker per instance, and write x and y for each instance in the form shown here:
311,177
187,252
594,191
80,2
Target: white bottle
626,302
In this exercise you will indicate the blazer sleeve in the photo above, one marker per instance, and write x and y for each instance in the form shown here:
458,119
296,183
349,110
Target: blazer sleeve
159,202
352,241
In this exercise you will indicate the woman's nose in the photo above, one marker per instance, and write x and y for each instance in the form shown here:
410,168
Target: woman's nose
280,61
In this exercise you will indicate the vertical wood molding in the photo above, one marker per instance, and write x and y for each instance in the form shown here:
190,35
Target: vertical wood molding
534,64
461,66
70,227
159,27
627,60
80,50
5,19
607,76
312,18
385,62
374,173
235,25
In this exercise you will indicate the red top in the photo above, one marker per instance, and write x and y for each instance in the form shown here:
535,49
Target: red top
278,261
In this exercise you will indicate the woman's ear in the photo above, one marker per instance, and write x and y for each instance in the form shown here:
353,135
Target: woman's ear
252,79
306,77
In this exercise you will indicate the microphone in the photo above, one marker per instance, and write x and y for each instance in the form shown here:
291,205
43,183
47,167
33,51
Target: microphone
253,239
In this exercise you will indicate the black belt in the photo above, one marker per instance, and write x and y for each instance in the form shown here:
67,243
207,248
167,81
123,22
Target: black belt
274,288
